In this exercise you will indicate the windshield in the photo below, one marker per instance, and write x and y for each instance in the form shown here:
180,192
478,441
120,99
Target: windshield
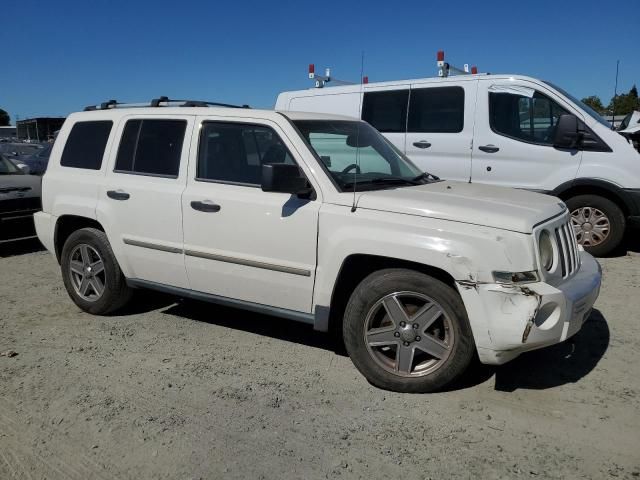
7,167
357,155
595,115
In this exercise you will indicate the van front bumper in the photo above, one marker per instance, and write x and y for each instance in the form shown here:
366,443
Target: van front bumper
508,320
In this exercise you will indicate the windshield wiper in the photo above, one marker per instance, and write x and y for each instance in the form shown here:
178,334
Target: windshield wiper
426,176
382,181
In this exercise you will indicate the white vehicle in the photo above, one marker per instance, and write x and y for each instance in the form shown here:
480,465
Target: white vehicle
506,130
315,218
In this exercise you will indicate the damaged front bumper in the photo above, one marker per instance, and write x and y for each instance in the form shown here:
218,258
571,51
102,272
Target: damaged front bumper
507,320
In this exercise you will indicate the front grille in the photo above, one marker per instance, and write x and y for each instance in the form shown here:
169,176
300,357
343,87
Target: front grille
567,249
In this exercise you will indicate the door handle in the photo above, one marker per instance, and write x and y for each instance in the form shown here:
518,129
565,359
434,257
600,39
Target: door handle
489,148
118,195
205,206
422,144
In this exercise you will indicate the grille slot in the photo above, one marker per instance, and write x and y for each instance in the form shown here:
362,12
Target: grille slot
569,256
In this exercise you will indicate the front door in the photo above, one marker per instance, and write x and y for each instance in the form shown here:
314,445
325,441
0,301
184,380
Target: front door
239,241
513,143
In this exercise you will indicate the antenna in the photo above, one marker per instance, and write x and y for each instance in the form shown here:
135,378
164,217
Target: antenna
615,94
355,170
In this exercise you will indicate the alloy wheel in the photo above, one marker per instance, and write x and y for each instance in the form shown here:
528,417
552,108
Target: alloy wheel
87,274
408,334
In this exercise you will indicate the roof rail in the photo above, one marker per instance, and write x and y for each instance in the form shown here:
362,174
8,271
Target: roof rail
160,102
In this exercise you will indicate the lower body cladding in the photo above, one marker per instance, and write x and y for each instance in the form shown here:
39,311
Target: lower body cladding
508,320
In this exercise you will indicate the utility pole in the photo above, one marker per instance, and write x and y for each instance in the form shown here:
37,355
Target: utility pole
615,95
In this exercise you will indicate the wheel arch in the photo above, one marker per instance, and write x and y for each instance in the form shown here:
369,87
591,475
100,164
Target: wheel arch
355,268
66,225
594,186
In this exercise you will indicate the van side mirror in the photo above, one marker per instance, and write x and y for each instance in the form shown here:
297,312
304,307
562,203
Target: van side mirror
283,178
567,134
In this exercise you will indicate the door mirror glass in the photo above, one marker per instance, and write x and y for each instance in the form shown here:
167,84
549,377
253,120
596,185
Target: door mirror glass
567,135
282,178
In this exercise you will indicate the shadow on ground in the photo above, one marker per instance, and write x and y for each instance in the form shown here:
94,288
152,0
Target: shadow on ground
549,367
265,325
21,247
560,364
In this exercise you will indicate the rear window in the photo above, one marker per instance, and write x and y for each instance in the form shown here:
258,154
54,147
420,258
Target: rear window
151,147
386,111
85,145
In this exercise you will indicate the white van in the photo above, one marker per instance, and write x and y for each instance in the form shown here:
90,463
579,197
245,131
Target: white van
505,130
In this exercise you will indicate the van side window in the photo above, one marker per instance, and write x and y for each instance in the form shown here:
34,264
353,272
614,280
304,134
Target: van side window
386,111
436,110
151,147
85,145
235,152
531,120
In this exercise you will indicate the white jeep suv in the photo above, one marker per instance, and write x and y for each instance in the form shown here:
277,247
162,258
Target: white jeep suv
315,218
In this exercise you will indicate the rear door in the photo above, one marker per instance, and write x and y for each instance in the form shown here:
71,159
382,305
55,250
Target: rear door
140,201
440,128
513,145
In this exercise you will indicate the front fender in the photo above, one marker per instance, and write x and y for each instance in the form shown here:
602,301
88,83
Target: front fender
464,251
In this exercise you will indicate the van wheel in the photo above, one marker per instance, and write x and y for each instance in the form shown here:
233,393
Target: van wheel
407,332
597,222
91,273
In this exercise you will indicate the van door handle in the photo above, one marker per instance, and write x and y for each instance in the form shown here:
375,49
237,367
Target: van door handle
422,144
205,206
489,148
118,195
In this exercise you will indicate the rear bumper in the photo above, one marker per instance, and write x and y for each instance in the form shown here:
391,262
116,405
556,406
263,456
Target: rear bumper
531,316
45,225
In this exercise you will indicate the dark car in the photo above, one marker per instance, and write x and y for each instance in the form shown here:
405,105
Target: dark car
19,200
37,162
20,152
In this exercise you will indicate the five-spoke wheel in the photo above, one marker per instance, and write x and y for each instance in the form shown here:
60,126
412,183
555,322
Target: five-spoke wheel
87,272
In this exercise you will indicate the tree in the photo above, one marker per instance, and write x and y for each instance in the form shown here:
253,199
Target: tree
4,118
594,102
625,103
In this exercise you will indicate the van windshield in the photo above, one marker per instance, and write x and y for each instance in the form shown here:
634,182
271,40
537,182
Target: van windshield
592,113
358,156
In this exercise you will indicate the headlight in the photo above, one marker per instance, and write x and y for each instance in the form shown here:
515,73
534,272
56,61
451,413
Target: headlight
546,250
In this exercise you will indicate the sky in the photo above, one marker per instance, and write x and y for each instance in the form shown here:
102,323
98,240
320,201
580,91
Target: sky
58,56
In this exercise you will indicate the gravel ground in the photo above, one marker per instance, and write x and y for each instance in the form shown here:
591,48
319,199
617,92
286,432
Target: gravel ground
188,390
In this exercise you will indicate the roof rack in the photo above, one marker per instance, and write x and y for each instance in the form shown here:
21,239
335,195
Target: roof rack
160,102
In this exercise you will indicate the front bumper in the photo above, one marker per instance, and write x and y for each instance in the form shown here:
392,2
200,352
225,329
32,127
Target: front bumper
518,318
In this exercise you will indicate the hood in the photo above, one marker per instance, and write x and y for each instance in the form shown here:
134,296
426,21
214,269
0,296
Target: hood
498,207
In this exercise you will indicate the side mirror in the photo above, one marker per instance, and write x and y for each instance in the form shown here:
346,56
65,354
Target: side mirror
567,134
283,178
24,168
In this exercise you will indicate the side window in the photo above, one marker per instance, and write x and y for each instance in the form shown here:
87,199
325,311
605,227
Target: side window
85,145
530,119
436,110
151,147
386,111
235,152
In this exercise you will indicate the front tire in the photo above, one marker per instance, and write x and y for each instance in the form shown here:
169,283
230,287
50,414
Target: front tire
598,223
91,273
407,332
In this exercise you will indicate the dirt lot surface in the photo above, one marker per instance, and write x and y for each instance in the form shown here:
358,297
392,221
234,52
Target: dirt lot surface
187,390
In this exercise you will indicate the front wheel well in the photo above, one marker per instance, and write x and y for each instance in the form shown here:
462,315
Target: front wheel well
358,266
594,190
66,225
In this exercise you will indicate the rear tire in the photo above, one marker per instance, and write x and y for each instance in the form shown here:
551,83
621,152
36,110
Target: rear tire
91,273
419,347
598,223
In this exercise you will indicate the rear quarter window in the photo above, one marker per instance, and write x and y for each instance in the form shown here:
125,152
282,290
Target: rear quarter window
85,145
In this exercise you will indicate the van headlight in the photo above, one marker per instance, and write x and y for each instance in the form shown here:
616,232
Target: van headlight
545,247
